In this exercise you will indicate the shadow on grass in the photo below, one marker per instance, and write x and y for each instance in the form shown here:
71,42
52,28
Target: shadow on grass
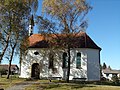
110,83
65,86
80,86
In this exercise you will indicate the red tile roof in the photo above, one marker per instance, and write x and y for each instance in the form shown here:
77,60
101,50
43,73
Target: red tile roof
81,40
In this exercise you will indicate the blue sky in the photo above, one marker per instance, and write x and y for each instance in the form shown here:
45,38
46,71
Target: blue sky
103,28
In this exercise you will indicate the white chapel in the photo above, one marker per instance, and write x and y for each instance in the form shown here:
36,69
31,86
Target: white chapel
40,63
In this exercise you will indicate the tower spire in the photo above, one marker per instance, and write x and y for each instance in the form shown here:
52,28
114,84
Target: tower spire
31,25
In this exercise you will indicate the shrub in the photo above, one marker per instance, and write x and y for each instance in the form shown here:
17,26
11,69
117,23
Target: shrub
115,79
103,79
2,71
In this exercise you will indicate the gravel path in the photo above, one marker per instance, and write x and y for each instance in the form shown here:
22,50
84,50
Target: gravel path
22,85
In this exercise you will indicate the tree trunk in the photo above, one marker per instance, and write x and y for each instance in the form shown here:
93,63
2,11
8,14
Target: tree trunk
68,70
9,69
0,74
3,52
11,57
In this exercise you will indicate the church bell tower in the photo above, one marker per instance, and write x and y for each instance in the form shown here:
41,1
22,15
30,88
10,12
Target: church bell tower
31,25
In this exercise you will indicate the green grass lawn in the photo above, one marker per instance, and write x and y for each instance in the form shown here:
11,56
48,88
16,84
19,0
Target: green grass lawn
54,85
4,83
46,85
71,87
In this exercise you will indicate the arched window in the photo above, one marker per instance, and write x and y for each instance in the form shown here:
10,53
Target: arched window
51,59
78,61
65,62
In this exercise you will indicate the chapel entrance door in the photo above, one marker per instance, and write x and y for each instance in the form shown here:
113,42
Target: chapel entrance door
35,71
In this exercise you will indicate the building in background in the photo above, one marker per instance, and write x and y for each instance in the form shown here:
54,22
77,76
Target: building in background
108,73
14,68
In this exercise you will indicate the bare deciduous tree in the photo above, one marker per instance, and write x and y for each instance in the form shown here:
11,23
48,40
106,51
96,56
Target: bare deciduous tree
62,20
14,22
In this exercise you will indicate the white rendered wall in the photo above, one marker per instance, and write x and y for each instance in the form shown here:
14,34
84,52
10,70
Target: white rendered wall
93,65
27,61
89,64
75,72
